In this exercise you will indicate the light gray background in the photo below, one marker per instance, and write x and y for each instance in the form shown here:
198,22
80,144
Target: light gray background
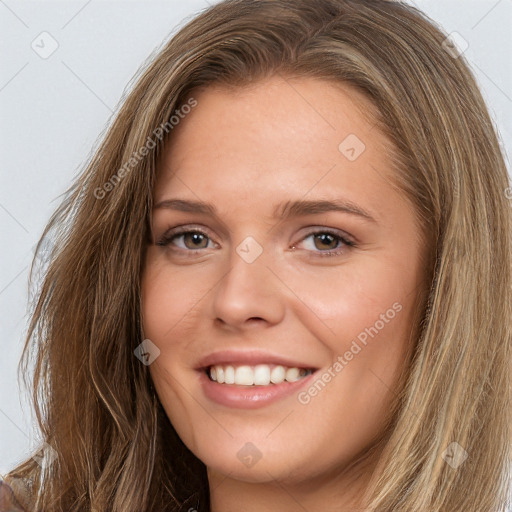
54,109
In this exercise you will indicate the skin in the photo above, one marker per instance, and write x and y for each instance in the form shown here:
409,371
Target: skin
246,151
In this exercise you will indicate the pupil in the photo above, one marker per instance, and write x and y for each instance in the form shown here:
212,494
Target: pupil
196,238
327,236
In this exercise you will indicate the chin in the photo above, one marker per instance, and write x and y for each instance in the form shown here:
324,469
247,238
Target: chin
255,462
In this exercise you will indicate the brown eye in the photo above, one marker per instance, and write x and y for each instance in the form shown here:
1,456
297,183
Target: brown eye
196,240
326,241
186,240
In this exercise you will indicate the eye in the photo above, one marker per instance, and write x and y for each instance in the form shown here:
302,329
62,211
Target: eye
327,243
188,239
321,242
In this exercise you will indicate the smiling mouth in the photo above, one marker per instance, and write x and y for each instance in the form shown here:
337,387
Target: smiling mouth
257,375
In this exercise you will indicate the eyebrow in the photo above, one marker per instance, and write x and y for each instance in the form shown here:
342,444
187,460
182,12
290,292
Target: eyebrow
286,210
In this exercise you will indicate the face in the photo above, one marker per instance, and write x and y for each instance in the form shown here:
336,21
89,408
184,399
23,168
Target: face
281,250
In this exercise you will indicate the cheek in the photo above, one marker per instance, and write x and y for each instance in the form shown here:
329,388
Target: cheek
363,316
363,302
171,298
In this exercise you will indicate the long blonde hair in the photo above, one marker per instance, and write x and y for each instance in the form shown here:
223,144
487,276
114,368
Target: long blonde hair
115,447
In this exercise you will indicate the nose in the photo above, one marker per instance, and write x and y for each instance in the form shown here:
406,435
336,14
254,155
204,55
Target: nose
248,295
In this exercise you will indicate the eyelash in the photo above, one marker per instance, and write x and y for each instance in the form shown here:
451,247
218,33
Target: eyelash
170,235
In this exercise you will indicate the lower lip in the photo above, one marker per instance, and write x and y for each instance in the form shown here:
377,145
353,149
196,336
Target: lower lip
250,397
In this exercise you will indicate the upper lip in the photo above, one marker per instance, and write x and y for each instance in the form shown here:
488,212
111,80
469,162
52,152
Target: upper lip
249,357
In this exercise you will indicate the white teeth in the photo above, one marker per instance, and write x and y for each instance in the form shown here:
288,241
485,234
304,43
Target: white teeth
229,375
278,374
244,375
262,375
292,374
259,375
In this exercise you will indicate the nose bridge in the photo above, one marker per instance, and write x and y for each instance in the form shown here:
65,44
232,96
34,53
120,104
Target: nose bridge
249,288
249,272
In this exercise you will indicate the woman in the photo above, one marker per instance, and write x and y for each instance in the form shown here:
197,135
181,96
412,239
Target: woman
284,279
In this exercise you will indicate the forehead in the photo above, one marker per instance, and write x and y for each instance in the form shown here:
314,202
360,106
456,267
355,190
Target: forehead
308,108
281,135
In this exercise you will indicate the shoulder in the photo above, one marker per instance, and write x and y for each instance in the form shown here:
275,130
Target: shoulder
8,502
